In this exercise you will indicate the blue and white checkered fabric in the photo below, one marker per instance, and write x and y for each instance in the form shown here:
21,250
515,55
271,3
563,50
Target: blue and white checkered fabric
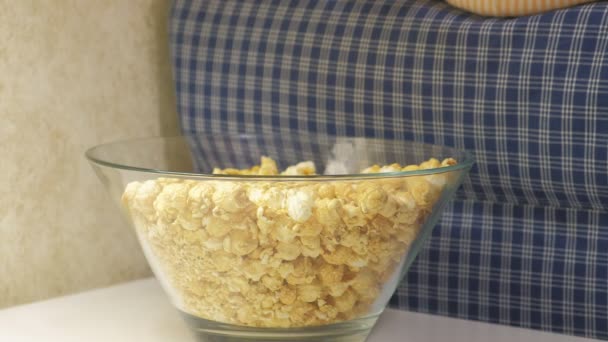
526,241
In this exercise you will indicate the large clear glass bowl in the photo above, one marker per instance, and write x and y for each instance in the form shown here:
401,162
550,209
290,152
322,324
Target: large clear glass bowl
279,258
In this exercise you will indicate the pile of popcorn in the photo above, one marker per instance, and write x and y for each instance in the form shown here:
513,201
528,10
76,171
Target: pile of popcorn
281,253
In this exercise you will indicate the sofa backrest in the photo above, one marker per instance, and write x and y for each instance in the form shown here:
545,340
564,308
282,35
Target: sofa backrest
526,241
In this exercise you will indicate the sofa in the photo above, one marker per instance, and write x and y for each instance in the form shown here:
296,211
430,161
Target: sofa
525,241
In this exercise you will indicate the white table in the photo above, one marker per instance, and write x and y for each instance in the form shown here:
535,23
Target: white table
139,311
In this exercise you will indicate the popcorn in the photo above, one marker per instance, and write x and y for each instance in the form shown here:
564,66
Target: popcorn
301,169
268,167
337,289
326,191
241,242
299,205
356,241
287,295
372,169
170,201
230,197
310,228
254,270
285,269
303,272
309,292
288,251
143,199
373,201
346,301
217,226
328,212
281,253
390,168
330,274
340,256
272,283
311,246
353,216
285,233
272,198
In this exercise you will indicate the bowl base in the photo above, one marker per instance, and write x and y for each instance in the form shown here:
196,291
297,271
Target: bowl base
351,331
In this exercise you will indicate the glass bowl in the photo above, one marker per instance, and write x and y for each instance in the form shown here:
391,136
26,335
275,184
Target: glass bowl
272,257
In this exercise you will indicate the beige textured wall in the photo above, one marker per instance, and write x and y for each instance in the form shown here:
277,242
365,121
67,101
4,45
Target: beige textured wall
73,74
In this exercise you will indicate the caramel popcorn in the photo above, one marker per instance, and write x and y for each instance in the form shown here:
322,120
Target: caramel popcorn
281,253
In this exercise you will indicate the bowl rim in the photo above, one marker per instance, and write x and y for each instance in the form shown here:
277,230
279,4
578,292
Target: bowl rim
463,164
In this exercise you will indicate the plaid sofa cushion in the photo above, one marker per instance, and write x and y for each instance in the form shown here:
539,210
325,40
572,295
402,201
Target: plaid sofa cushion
526,240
